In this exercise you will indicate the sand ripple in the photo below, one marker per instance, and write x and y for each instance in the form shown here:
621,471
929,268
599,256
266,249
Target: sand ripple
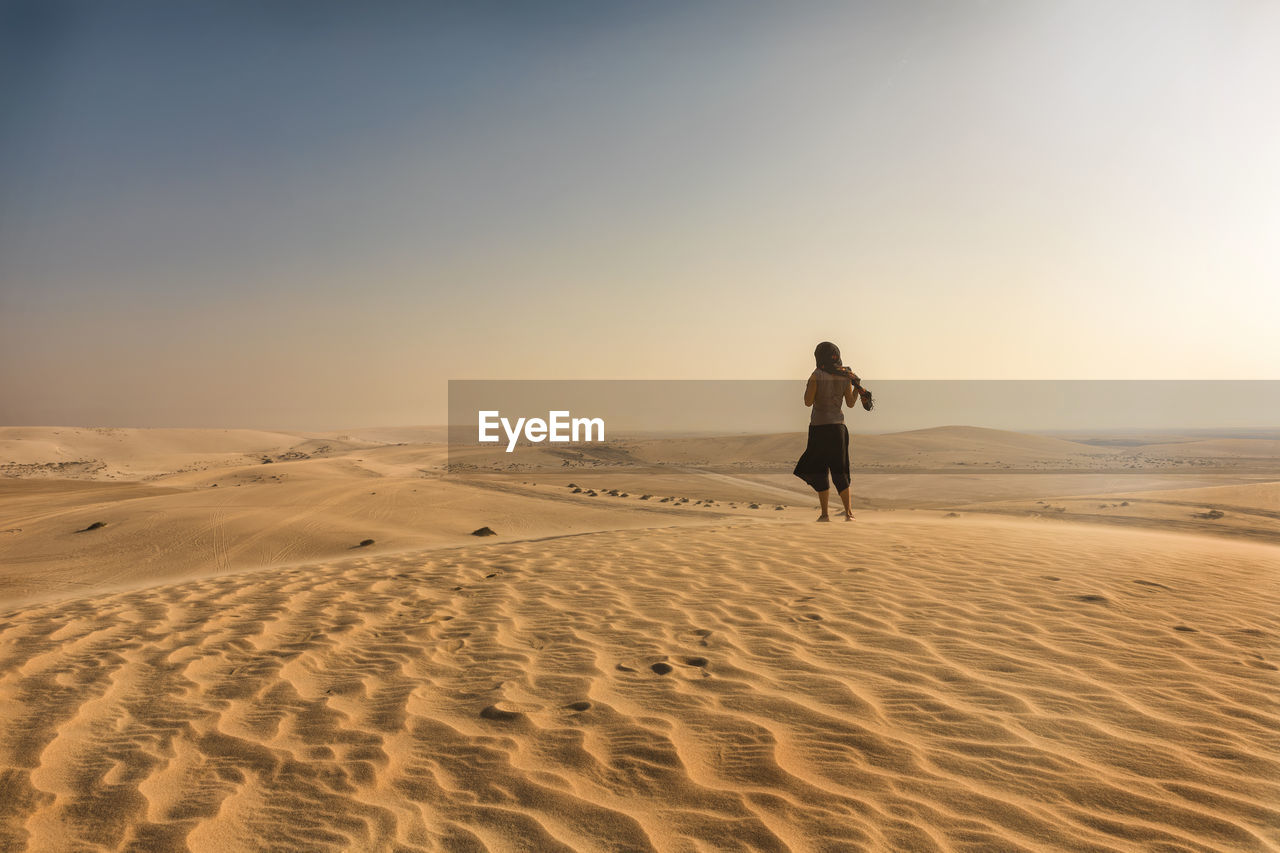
923,686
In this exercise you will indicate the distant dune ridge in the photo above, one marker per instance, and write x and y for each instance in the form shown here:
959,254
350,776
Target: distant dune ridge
1084,656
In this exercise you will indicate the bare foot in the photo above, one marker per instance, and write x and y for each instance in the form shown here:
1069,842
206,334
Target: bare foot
823,518
848,516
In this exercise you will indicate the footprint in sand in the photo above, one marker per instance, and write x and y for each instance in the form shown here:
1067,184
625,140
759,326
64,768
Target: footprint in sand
579,706
661,668
700,634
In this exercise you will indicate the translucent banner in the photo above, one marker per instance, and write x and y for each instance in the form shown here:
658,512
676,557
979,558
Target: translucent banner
531,425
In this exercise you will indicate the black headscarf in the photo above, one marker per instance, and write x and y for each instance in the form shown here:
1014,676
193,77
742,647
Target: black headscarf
827,357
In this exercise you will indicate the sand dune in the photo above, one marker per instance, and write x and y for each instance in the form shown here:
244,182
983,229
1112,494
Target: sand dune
970,443
214,522
1263,496
1241,510
1249,448
66,452
140,453
638,661
943,685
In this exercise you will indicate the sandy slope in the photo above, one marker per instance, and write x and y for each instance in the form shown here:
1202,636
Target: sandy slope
1240,510
131,454
221,667
1255,496
1256,448
217,521
945,685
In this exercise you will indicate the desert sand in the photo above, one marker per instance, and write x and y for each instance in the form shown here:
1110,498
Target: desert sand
1022,643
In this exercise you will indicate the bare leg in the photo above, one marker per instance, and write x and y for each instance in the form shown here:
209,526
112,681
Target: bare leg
824,497
848,511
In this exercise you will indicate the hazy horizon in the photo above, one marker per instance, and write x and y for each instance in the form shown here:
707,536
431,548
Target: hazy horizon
271,214
656,408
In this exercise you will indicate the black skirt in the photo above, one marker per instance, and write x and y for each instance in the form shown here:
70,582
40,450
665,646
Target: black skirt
826,453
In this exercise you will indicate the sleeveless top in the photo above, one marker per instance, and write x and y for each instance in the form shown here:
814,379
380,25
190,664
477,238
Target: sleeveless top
828,399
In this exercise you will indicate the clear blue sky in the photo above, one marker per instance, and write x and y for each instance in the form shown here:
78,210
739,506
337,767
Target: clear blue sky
314,214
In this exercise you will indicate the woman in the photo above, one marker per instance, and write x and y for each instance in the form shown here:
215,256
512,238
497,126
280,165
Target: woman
830,384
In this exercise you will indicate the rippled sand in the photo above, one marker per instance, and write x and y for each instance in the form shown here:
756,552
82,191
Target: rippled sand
898,684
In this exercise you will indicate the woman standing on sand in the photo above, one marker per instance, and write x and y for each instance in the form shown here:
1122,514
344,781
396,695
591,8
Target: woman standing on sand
830,384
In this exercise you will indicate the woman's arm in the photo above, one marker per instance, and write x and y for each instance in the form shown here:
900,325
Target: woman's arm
850,394
811,391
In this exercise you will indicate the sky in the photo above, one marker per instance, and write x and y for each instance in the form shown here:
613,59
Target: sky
314,215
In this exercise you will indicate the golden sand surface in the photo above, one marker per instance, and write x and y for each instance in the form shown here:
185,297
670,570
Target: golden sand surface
226,668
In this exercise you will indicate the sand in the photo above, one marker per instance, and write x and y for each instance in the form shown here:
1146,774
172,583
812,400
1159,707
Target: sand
225,668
